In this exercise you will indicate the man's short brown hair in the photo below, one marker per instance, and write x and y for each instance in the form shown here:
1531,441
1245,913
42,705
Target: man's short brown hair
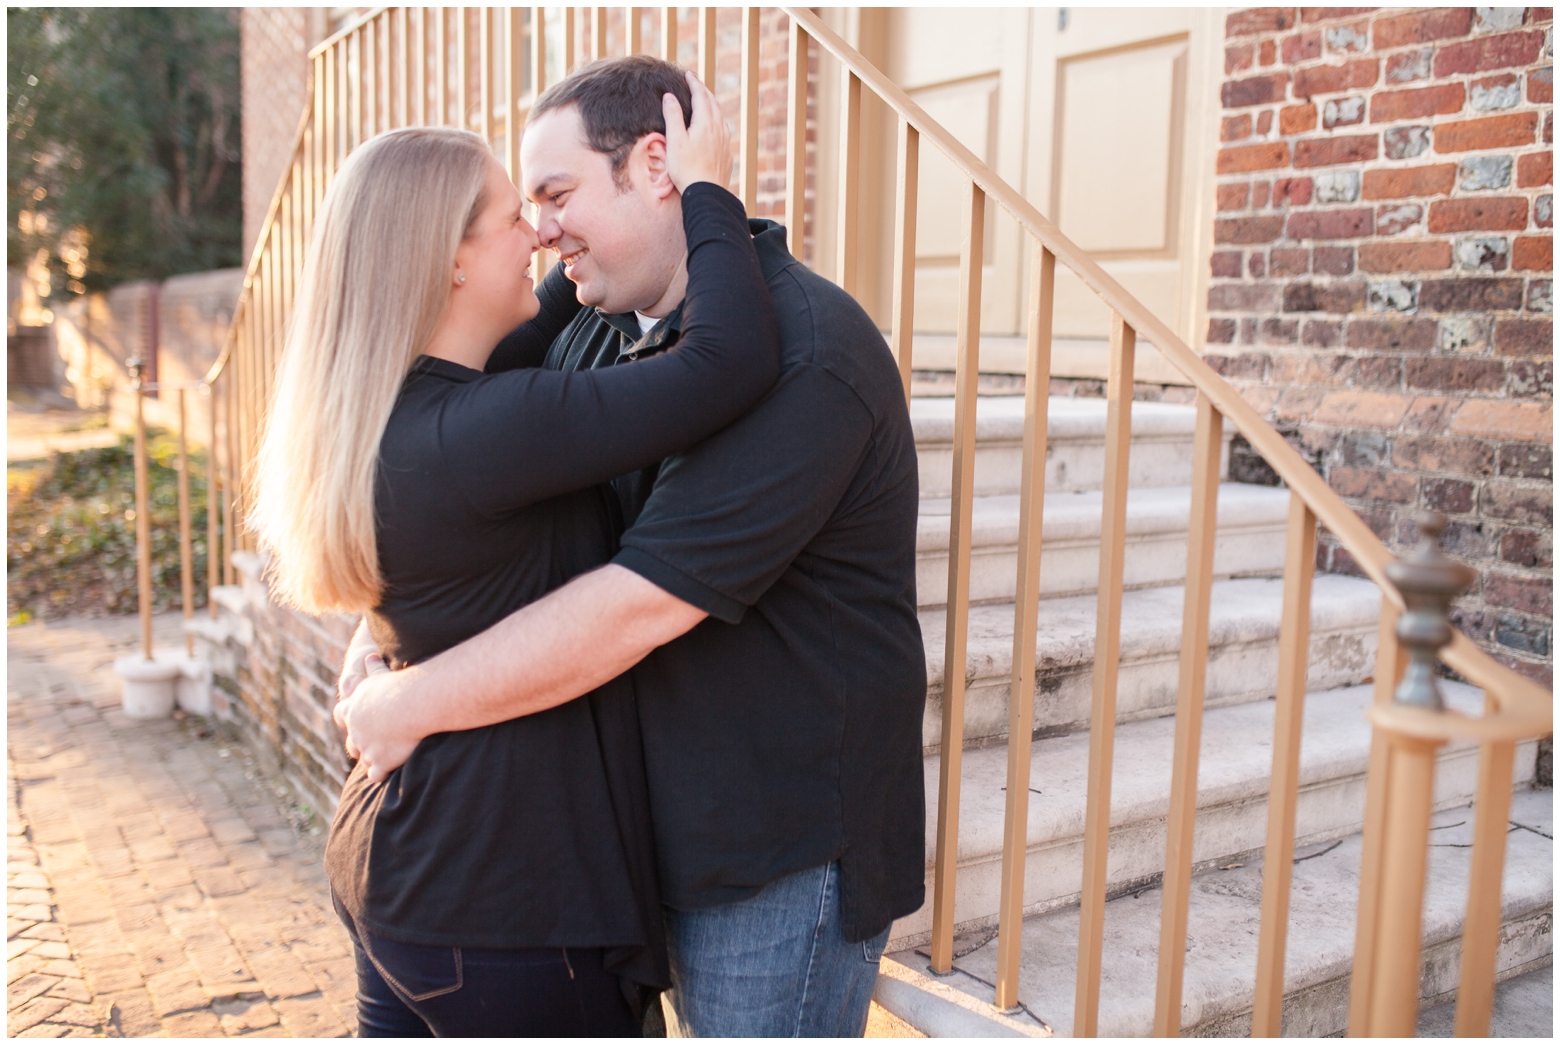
619,102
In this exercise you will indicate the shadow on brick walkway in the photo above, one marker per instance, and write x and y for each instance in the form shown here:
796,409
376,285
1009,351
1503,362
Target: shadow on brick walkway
157,884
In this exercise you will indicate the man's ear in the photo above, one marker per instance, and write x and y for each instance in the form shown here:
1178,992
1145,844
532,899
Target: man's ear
650,155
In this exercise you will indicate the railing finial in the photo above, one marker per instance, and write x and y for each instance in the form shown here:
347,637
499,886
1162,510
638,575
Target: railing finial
1429,581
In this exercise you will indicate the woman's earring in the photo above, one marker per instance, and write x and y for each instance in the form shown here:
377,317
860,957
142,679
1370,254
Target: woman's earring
460,277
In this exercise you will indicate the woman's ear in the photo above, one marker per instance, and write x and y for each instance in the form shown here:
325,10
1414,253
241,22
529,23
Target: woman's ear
650,155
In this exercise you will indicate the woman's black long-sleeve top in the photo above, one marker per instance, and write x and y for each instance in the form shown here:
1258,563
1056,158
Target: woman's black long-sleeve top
534,832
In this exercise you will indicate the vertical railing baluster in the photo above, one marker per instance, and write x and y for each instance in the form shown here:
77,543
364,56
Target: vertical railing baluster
370,73
571,17
749,130
1428,581
1026,606
796,142
540,260
441,54
512,87
1180,831
400,92
850,181
313,147
355,86
669,34
462,69
384,61
385,55
539,51
315,190
213,497
237,390
262,293
956,638
906,192
598,33
230,467
343,121
143,532
1107,662
186,555
707,42
384,91
633,31
1389,668
1394,1003
1294,644
345,96
487,93
325,118
419,60
287,216
1481,925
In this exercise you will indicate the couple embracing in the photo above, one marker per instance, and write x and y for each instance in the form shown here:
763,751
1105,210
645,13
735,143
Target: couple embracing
636,700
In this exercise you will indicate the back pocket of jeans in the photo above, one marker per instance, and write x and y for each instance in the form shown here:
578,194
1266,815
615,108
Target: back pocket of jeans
416,971
872,950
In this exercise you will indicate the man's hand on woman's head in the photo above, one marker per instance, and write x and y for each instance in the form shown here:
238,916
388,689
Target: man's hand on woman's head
701,150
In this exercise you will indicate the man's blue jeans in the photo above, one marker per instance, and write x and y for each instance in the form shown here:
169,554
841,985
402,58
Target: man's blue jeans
773,966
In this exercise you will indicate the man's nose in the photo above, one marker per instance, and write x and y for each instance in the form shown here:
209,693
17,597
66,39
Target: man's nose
548,231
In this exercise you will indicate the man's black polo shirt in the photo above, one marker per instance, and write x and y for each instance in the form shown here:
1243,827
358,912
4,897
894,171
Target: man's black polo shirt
784,732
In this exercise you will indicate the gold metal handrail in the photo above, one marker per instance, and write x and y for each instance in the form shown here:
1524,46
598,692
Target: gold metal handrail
402,66
1519,707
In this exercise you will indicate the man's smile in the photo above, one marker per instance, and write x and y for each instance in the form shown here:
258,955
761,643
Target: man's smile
570,259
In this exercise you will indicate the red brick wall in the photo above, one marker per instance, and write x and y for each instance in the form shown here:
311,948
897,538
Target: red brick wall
1382,277
274,71
773,79
274,677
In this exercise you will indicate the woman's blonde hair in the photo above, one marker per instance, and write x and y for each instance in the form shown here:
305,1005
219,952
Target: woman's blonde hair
376,281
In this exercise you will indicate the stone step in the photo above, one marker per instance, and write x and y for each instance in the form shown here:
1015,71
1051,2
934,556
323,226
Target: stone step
1161,453
1221,954
1250,540
1235,767
1242,654
1524,1008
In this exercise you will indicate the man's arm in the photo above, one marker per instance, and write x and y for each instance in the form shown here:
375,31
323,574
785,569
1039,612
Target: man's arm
556,649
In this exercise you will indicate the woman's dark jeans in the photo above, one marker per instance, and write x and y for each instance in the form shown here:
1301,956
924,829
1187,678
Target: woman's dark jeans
408,990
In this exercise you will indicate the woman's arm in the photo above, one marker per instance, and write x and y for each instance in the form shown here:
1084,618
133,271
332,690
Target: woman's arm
515,438
527,344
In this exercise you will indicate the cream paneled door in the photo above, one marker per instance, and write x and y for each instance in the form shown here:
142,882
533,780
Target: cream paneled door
1106,118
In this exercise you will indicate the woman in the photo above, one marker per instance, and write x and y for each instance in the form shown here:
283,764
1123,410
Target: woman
502,881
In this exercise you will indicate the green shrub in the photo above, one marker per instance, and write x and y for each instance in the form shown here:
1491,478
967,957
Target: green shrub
70,538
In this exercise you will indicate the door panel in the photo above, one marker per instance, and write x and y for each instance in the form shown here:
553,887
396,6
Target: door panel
1105,118
974,80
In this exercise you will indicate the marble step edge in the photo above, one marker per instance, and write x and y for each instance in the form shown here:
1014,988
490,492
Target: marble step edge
1242,609
1068,419
1219,981
1249,542
1232,798
1075,515
1242,653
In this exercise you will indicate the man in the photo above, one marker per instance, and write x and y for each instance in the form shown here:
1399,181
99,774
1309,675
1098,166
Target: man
765,588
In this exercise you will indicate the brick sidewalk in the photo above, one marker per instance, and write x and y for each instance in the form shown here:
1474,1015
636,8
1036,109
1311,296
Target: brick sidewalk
156,885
